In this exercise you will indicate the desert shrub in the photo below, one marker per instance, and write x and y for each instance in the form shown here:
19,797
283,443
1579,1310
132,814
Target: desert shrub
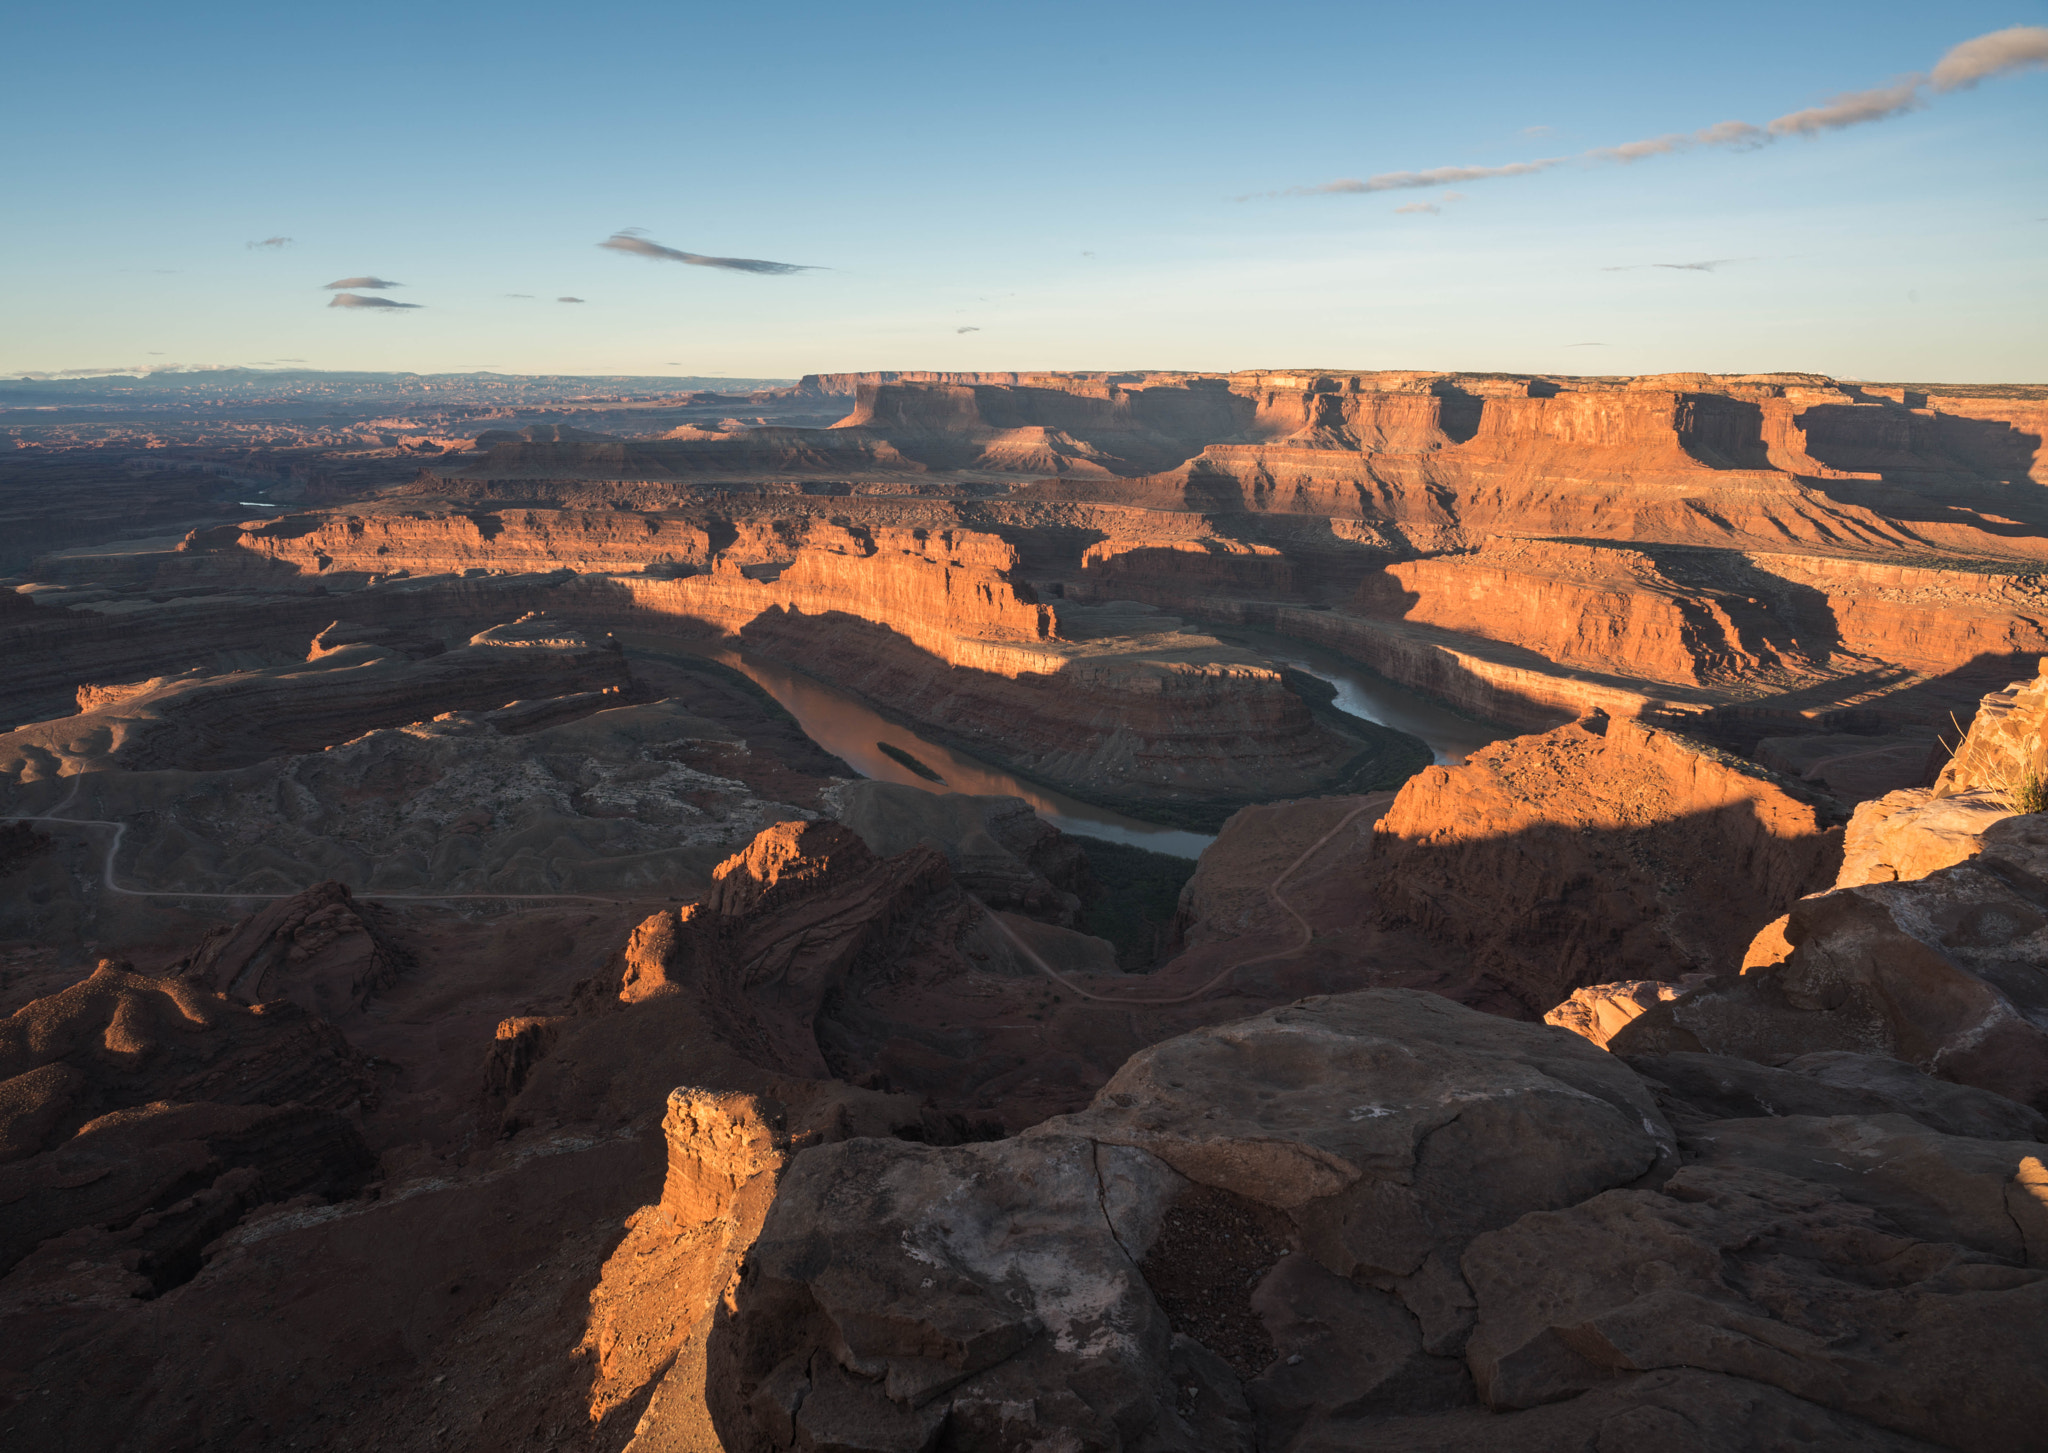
2030,793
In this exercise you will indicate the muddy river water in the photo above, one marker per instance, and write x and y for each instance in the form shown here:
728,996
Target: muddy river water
854,732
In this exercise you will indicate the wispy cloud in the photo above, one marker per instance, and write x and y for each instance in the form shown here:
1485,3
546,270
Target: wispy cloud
1414,181
2016,49
1537,130
1854,108
519,295
2019,48
967,330
631,241
273,243
1434,209
356,300
1585,345
568,300
365,283
1709,265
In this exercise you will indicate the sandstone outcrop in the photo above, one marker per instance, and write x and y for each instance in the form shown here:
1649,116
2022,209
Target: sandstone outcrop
1699,1087
1599,851
318,949
1943,972
885,1295
1364,1293
2007,740
1912,832
1771,1275
1597,1012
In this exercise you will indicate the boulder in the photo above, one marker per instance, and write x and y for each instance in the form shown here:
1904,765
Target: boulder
1388,1126
1258,1223
987,1291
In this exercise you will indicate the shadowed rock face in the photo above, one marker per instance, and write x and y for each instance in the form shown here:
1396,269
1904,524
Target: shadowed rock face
1943,972
144,1116
1594,852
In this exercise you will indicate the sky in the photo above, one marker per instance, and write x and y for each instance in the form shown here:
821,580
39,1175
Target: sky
1052,186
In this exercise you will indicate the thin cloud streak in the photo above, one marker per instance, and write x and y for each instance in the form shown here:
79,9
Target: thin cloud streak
1855,108
356,300
368,283
2021,47
1408,181
273,243
1707,266
568,300
629,240
1434,209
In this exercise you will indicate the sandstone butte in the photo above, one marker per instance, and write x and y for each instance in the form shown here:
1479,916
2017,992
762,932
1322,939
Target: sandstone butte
450,1006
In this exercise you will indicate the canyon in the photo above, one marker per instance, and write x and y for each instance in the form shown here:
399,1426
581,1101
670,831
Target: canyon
1013,910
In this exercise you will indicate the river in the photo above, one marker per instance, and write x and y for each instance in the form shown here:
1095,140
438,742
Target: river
854,732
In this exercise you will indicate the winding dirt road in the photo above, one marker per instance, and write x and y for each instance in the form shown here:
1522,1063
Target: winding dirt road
1272,890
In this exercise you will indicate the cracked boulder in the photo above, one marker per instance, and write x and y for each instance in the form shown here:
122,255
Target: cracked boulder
1295,1188
906,1297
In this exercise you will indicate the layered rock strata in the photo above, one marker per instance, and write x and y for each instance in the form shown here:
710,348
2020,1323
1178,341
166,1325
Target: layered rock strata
200,720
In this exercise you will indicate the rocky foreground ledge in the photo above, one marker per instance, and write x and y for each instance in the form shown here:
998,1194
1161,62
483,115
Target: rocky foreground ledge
1384,1221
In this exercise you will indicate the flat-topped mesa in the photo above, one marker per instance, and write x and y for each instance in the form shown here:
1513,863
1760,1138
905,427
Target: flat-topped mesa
946,592
512,541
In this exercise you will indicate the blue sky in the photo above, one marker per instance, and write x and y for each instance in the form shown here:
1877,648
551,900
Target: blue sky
1063,180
